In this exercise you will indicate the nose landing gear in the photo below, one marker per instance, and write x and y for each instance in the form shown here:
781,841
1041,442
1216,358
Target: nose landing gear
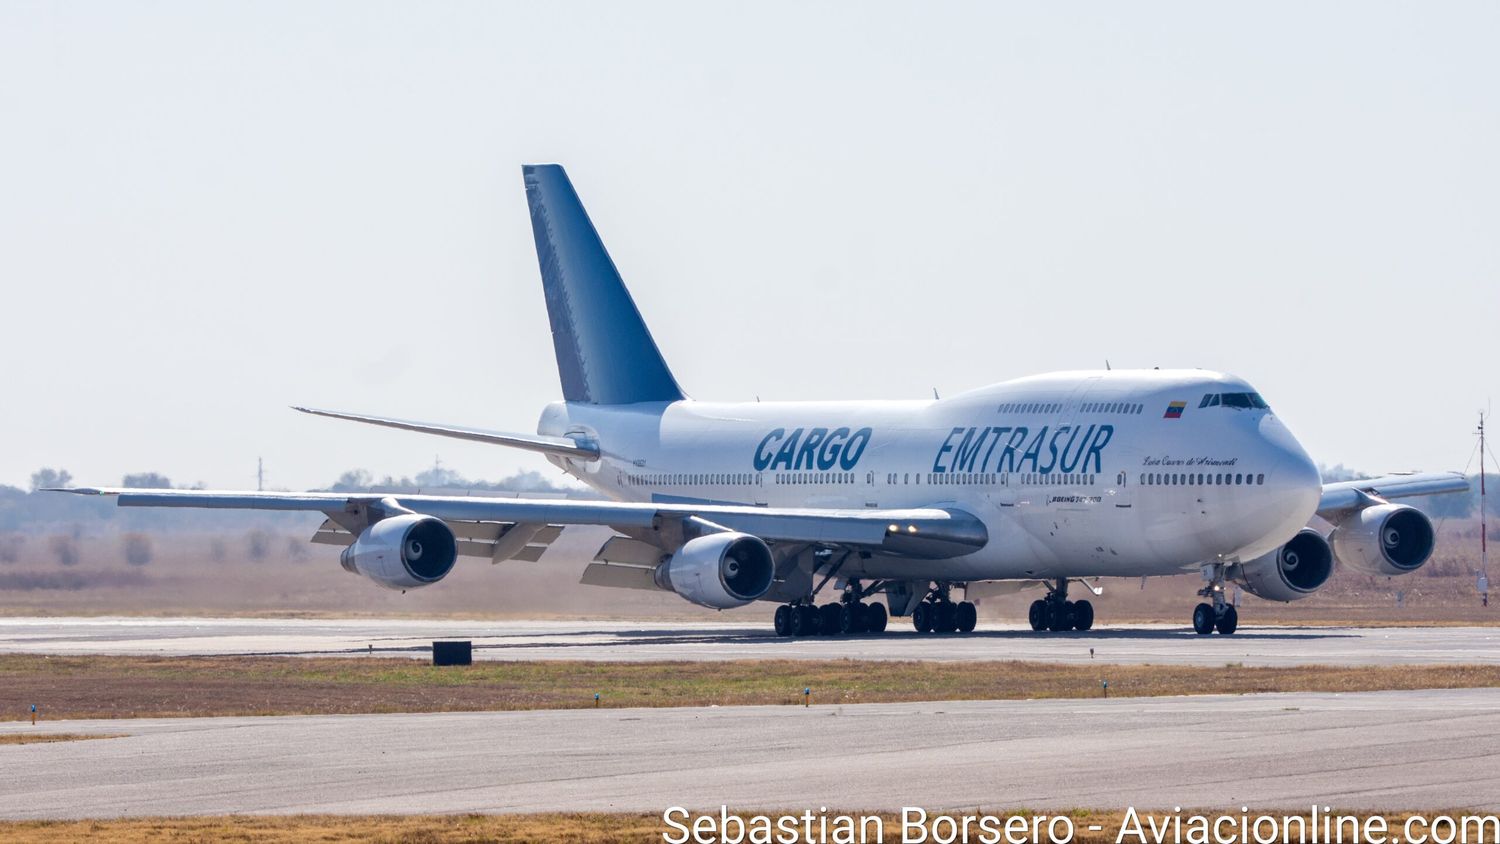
1219,615
1055,612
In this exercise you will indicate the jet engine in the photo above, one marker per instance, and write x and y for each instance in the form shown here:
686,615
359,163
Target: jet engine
719,570
403,552
1385,540
1291,572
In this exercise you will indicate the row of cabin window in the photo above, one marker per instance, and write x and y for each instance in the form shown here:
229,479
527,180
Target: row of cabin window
1194,479
1125,407
800,478
991,478
731,479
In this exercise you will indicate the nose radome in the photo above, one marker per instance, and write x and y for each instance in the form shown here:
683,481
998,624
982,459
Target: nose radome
1291,472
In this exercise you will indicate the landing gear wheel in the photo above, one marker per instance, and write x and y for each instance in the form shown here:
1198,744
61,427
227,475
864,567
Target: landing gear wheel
875,618
784,620
946,613
1083,615
1061,616
804,621
921,617
1038,615
851,618
1203,619
829,616
1229,621
967,617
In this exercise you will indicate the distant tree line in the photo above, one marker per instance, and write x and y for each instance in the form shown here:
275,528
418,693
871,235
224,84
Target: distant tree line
67,518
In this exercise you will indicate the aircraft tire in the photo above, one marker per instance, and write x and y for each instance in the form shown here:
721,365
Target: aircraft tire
828,619
946,617
851,618
875,617
1037,615
804,621
1061,617
967,617
1203,619
1083,615
1229,621
783,620
921,617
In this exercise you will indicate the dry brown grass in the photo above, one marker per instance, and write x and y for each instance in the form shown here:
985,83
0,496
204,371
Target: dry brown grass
46,738
568,828
134,687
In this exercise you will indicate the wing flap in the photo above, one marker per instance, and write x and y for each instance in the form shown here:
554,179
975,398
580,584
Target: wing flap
619,577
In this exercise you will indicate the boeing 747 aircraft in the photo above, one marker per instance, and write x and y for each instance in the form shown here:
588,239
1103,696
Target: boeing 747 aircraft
1044,482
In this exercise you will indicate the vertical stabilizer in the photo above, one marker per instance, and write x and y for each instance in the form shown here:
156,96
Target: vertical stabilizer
605,354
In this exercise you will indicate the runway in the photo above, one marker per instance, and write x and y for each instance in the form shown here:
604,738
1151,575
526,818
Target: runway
1377,750
654,641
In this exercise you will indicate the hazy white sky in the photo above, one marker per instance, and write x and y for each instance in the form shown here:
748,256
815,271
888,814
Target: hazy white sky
209,211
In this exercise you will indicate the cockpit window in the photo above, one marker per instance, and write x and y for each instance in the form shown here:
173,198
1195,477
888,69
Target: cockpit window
1238,401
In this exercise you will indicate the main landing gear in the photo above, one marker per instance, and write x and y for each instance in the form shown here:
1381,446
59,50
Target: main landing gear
939,614
1055,612
1219,615
849,615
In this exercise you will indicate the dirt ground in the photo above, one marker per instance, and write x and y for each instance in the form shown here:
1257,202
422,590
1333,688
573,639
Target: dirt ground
256,573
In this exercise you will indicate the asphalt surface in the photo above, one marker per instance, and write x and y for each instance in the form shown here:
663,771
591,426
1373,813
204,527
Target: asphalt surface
649,641
1376,750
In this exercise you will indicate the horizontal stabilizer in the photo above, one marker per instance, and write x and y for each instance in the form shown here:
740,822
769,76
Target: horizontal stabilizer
560,446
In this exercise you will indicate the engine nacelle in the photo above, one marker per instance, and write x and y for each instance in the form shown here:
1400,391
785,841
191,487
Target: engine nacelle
1291,572
403,552
719,570
1385,540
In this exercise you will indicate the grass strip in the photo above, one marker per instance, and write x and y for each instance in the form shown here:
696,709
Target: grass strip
142,686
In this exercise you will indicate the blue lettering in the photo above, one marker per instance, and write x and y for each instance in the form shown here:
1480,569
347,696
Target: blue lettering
1008,456
1101,439
1069,462
762,454
1034,451
968,450
852,452
1052,447
788,449
937,462
805,458
829,454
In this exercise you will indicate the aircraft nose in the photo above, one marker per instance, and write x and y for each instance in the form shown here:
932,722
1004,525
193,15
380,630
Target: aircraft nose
1291,475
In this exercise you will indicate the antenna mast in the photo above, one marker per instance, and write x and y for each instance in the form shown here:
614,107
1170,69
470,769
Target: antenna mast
1484,539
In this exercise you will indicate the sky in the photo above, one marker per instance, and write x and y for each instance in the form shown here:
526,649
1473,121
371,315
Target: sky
210,211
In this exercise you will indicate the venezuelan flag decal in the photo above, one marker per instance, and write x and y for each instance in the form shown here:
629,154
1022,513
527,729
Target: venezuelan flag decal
1174,410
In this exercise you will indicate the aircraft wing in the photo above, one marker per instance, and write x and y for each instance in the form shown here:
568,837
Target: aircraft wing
561,446
1346,496
482,524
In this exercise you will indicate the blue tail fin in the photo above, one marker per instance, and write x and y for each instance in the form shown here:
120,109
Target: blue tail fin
605,355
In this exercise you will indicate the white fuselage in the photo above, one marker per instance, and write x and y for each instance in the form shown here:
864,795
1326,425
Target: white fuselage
1074,474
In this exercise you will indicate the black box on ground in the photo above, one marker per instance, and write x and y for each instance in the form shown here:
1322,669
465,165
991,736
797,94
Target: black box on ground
452,653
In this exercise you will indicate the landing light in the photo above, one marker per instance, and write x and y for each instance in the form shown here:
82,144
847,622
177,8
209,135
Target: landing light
911,528
895,528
